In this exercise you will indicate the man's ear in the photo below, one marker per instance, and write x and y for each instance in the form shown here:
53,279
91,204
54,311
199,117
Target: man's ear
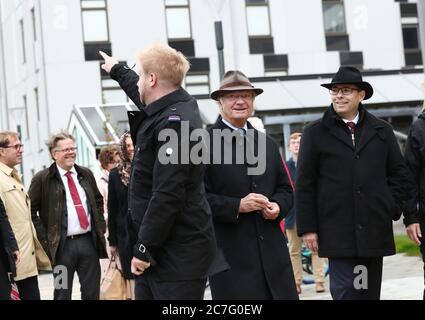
153,80
362,95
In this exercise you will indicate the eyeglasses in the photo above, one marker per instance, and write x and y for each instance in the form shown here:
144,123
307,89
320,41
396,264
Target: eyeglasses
67,150
15,146
235,97
345,91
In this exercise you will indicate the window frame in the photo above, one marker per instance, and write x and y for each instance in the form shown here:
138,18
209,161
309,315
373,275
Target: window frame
22,36
105,9
176,6
198,84
337,33
253,5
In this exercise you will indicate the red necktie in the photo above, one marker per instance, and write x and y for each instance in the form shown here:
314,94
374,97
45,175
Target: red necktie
82,217
352,127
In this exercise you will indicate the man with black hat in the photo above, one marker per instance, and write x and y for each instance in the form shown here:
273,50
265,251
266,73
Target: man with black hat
247,206
351,181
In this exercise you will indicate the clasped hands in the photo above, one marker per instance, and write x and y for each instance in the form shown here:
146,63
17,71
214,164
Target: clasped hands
259,202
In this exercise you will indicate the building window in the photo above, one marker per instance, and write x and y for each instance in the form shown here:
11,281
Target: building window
412,45
177,14
27,127
258,18
351,58
335,28
37,103
95,28
275,64
411,35
111,91
259,29
198,83
22,31
34,29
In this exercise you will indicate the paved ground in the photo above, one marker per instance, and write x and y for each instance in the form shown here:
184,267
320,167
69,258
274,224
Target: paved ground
402,280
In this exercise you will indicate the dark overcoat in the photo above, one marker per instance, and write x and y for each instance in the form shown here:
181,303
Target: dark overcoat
254,247
349,195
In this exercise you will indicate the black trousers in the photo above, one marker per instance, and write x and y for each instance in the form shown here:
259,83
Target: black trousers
355,278
5,287
147,287
77,255
28,288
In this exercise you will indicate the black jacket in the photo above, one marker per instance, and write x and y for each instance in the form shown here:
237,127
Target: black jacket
350,195
119,222
48,199
8,243
167,201
415,160
254,247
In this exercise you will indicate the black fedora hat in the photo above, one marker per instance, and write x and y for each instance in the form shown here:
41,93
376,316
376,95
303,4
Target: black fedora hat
234,81
350,75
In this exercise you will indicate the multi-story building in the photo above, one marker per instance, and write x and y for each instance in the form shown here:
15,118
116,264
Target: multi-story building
50,63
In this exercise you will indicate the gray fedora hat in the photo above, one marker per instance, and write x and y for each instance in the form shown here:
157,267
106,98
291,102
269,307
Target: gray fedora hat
350,75
234,81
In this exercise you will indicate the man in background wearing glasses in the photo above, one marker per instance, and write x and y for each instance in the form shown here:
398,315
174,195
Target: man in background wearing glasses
351,184
70,219
18,210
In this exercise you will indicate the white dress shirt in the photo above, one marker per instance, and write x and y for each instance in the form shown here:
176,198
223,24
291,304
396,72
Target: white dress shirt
355,120
227,123
74,227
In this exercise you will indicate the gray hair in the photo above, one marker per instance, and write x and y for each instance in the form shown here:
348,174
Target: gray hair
53,140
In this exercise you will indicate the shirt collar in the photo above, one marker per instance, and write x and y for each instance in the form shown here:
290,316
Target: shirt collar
227,123
63,172
355,120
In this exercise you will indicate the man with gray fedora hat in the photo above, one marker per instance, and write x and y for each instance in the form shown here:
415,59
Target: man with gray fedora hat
351,181
247,209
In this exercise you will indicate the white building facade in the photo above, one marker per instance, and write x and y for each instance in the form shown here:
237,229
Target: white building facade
49,61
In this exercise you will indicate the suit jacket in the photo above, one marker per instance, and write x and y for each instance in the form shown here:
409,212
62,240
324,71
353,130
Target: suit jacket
48,209
348,194
254,247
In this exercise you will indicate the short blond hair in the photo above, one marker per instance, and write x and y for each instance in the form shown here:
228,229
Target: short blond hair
5,137
167,63
294,136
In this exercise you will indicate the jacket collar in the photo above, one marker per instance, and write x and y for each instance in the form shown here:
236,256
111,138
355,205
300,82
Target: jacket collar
370,127
6,169
179,95
135,118
54,172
